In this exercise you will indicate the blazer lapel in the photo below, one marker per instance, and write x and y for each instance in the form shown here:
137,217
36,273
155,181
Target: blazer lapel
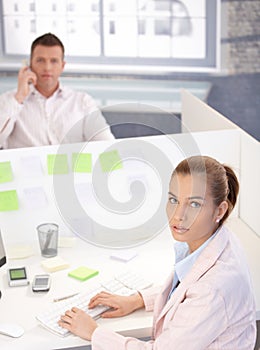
205,261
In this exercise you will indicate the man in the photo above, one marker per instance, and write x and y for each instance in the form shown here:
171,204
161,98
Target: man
42,111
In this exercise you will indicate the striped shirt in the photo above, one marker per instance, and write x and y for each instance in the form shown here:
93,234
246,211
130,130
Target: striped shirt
67,116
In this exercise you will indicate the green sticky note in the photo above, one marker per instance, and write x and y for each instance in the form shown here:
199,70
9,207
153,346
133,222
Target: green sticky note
82,162
57,164
8,200
110,161
6,173
83,273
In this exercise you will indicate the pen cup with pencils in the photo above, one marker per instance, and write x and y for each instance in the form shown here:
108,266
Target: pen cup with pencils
48,239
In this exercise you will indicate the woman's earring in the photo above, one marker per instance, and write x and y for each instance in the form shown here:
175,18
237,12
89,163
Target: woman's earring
217,221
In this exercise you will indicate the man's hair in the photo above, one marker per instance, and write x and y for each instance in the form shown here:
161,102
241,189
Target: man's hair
47,39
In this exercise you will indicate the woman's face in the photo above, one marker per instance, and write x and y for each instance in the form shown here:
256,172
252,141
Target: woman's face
191,212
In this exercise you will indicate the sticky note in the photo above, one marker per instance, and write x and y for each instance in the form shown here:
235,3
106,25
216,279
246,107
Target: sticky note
20,251
66,242
82,162
83,273
57,164
110,161
9,200
6,174
54,264
35,197
31,166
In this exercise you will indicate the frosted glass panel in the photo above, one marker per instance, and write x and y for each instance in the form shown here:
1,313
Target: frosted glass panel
168,31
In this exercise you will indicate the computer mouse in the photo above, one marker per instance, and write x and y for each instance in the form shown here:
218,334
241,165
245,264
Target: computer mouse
11,329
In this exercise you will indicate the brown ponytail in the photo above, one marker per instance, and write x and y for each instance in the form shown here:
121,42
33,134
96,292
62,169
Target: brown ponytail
233,186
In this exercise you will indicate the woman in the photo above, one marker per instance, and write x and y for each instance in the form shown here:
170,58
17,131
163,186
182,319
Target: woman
207,303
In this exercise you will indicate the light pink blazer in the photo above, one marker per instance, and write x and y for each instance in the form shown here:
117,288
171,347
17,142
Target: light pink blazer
212,308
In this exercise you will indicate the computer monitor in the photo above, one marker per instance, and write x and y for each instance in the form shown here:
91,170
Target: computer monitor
2,255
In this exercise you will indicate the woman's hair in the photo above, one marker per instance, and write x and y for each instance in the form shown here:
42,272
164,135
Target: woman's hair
221,179
47,39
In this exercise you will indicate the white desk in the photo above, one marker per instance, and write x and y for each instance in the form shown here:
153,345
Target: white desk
21,305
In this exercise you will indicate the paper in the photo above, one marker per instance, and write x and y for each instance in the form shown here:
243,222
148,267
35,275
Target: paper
110,161
31,166
57,164
9,200
123,255
20,252
82,162
35,197
6,174
66,242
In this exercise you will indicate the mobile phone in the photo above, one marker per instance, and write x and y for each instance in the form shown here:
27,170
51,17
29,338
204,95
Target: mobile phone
17,277
41,283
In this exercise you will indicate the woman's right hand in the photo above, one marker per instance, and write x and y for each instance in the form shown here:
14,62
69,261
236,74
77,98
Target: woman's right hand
120,305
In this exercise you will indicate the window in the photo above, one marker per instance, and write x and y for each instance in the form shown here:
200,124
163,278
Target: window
166,33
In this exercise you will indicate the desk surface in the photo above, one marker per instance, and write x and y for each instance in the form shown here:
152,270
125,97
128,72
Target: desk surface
18,227
21,305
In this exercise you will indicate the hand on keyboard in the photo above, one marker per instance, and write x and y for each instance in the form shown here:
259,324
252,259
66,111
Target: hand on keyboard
119,305
79,323
124,284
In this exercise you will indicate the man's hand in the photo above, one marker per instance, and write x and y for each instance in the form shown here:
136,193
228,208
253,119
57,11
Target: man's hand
25,78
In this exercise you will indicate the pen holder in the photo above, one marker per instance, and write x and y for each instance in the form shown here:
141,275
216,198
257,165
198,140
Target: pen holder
48,239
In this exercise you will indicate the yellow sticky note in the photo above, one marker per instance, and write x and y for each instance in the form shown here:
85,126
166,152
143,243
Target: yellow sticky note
9,200
110,161
6,173
57,164
82,162
83,273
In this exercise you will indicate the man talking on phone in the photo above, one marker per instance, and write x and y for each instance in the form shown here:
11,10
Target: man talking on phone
44,112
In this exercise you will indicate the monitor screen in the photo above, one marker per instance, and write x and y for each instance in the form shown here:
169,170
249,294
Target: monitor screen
2,252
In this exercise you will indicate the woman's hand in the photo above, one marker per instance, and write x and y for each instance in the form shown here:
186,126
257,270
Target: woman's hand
78,323
120,305
82,325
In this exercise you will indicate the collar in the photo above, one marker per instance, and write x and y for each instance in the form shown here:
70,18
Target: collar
183,260
60,91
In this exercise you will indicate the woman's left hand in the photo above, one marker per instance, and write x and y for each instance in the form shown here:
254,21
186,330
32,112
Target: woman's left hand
78,323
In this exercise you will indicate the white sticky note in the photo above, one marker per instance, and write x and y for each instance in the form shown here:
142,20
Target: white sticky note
66,242
35,197
31,166
54,264
124,255
20,252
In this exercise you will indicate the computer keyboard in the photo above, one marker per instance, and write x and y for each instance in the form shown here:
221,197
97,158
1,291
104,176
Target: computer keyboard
126,283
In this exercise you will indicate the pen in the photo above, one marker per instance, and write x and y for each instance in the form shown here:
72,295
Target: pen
64,298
